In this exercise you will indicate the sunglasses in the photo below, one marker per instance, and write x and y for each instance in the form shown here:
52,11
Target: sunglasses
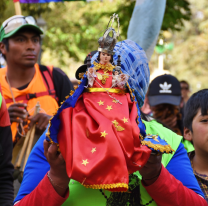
17,22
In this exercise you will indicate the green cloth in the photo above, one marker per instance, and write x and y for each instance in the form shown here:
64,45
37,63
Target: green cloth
81,196
188,145
174,140
0,100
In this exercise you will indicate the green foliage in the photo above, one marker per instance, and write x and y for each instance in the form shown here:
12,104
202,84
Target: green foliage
74,27
78,31
189,58
6,9
35,9
176,12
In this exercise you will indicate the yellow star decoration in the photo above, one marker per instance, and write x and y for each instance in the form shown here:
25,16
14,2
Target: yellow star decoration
118,128
103,134
93,150
84,162
115,101
100,103
125,120
109,107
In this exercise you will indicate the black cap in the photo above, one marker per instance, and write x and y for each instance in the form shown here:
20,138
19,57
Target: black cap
164,89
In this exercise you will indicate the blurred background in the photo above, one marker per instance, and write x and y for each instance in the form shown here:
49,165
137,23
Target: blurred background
72,29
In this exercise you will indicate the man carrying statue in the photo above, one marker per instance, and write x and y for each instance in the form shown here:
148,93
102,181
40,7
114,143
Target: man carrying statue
100,150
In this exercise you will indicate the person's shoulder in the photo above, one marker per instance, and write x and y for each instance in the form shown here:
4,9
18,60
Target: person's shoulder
51,68
55,72
154,125
59,71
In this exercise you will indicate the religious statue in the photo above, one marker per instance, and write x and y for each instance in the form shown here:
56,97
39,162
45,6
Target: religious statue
97,127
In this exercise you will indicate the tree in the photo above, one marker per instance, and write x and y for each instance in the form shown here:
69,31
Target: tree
76,32
189,58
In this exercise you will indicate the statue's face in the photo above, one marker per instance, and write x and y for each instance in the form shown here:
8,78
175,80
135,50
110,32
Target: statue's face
105,58
116,73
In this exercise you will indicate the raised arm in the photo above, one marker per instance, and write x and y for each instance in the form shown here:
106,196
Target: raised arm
176,185
40,187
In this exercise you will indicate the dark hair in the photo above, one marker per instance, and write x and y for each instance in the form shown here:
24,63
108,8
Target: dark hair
185,82
6,43
111,60
198,100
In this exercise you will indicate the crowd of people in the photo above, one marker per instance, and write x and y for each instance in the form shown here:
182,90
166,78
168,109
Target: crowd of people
178,178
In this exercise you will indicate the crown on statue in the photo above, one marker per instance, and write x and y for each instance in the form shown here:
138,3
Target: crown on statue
107,42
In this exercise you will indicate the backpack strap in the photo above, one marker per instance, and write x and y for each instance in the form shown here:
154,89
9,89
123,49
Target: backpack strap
47,77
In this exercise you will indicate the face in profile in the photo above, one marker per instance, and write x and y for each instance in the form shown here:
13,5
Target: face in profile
24,48
199,136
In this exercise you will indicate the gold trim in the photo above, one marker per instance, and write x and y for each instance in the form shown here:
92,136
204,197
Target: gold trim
106,67
162,148
117,91
107,186
48,132
71,92
81,75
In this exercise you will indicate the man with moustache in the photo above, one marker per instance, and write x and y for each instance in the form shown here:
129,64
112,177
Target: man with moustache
24,82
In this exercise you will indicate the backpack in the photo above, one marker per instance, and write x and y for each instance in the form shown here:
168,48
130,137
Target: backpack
47,77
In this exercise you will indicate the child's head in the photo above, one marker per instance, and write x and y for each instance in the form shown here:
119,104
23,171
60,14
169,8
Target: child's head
196,119
198,102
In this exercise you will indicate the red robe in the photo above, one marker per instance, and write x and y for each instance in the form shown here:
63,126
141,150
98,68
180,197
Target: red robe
99,139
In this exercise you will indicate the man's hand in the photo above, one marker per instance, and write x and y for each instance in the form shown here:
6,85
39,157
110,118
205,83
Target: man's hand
17,112
151,171
42,121
58,176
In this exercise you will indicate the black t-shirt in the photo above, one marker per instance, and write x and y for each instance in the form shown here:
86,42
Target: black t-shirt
62,84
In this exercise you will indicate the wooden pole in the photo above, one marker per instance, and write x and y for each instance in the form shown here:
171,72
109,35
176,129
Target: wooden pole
27,141
18,164
29,147
32,135
17,8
